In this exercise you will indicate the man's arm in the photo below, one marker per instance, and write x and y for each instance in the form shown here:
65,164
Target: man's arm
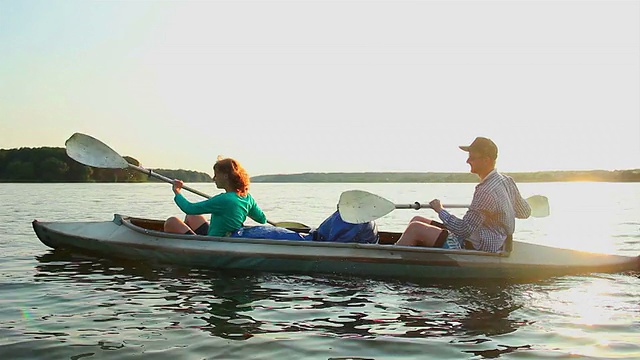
471,220
520,205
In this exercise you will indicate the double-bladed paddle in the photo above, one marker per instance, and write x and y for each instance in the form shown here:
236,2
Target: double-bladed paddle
90,151
358,206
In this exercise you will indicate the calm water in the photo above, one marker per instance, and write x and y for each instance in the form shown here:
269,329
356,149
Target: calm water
62,306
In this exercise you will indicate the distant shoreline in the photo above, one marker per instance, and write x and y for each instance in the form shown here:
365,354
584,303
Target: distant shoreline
53,165
447,177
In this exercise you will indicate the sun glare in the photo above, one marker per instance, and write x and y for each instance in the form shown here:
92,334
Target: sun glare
587,311
578,221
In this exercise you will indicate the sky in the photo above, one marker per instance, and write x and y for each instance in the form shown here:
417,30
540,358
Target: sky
327,86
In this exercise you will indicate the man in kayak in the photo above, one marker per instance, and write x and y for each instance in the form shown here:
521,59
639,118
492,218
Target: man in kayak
228,210
490,220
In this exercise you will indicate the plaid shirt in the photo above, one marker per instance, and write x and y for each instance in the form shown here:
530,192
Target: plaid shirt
491,216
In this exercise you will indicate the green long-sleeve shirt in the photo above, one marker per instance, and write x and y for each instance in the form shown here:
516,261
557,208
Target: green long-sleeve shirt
228,211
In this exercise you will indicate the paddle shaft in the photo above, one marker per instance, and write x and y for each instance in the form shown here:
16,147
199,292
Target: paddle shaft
417,206
172,181
166,179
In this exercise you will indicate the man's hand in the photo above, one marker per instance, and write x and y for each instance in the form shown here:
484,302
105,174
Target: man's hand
436,205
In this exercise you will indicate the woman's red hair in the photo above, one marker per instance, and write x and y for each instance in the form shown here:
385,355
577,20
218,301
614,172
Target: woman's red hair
238,176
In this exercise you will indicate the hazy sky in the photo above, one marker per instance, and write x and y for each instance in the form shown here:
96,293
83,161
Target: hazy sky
323,86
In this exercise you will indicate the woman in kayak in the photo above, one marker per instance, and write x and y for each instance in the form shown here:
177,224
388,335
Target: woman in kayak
228,210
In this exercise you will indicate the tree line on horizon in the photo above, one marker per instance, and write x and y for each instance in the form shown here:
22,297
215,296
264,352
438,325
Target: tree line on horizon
52,164
443,177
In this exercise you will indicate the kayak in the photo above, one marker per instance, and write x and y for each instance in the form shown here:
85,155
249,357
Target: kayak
143,239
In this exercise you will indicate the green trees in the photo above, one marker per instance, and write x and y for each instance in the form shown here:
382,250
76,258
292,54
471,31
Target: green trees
53,170
47,164
184,175
18,170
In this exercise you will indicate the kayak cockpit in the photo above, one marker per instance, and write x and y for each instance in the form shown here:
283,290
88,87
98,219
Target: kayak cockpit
149,226
386,237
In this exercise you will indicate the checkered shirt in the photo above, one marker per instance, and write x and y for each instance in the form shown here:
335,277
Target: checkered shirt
491,216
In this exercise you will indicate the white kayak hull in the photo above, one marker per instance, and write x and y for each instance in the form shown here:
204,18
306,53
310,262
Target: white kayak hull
129,238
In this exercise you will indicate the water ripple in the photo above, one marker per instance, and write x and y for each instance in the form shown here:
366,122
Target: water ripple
61,305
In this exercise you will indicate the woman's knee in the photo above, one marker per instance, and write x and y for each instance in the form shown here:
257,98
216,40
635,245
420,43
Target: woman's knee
194,221
173,224
172,221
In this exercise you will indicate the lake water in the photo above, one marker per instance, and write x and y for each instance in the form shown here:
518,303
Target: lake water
57,305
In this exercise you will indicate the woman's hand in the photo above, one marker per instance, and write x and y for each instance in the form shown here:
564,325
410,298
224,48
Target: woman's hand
177,186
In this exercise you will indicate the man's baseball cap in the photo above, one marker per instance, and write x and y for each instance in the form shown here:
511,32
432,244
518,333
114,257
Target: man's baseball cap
483,146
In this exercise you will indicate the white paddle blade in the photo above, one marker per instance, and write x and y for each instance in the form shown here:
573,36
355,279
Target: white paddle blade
92,152
539,205
359,207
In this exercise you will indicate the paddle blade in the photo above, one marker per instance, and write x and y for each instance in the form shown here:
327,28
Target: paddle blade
359,207
539,205
92,152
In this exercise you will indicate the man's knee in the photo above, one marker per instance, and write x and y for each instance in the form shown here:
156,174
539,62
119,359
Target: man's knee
421,219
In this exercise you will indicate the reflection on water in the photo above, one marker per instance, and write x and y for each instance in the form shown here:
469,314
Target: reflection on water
239,306
128,306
